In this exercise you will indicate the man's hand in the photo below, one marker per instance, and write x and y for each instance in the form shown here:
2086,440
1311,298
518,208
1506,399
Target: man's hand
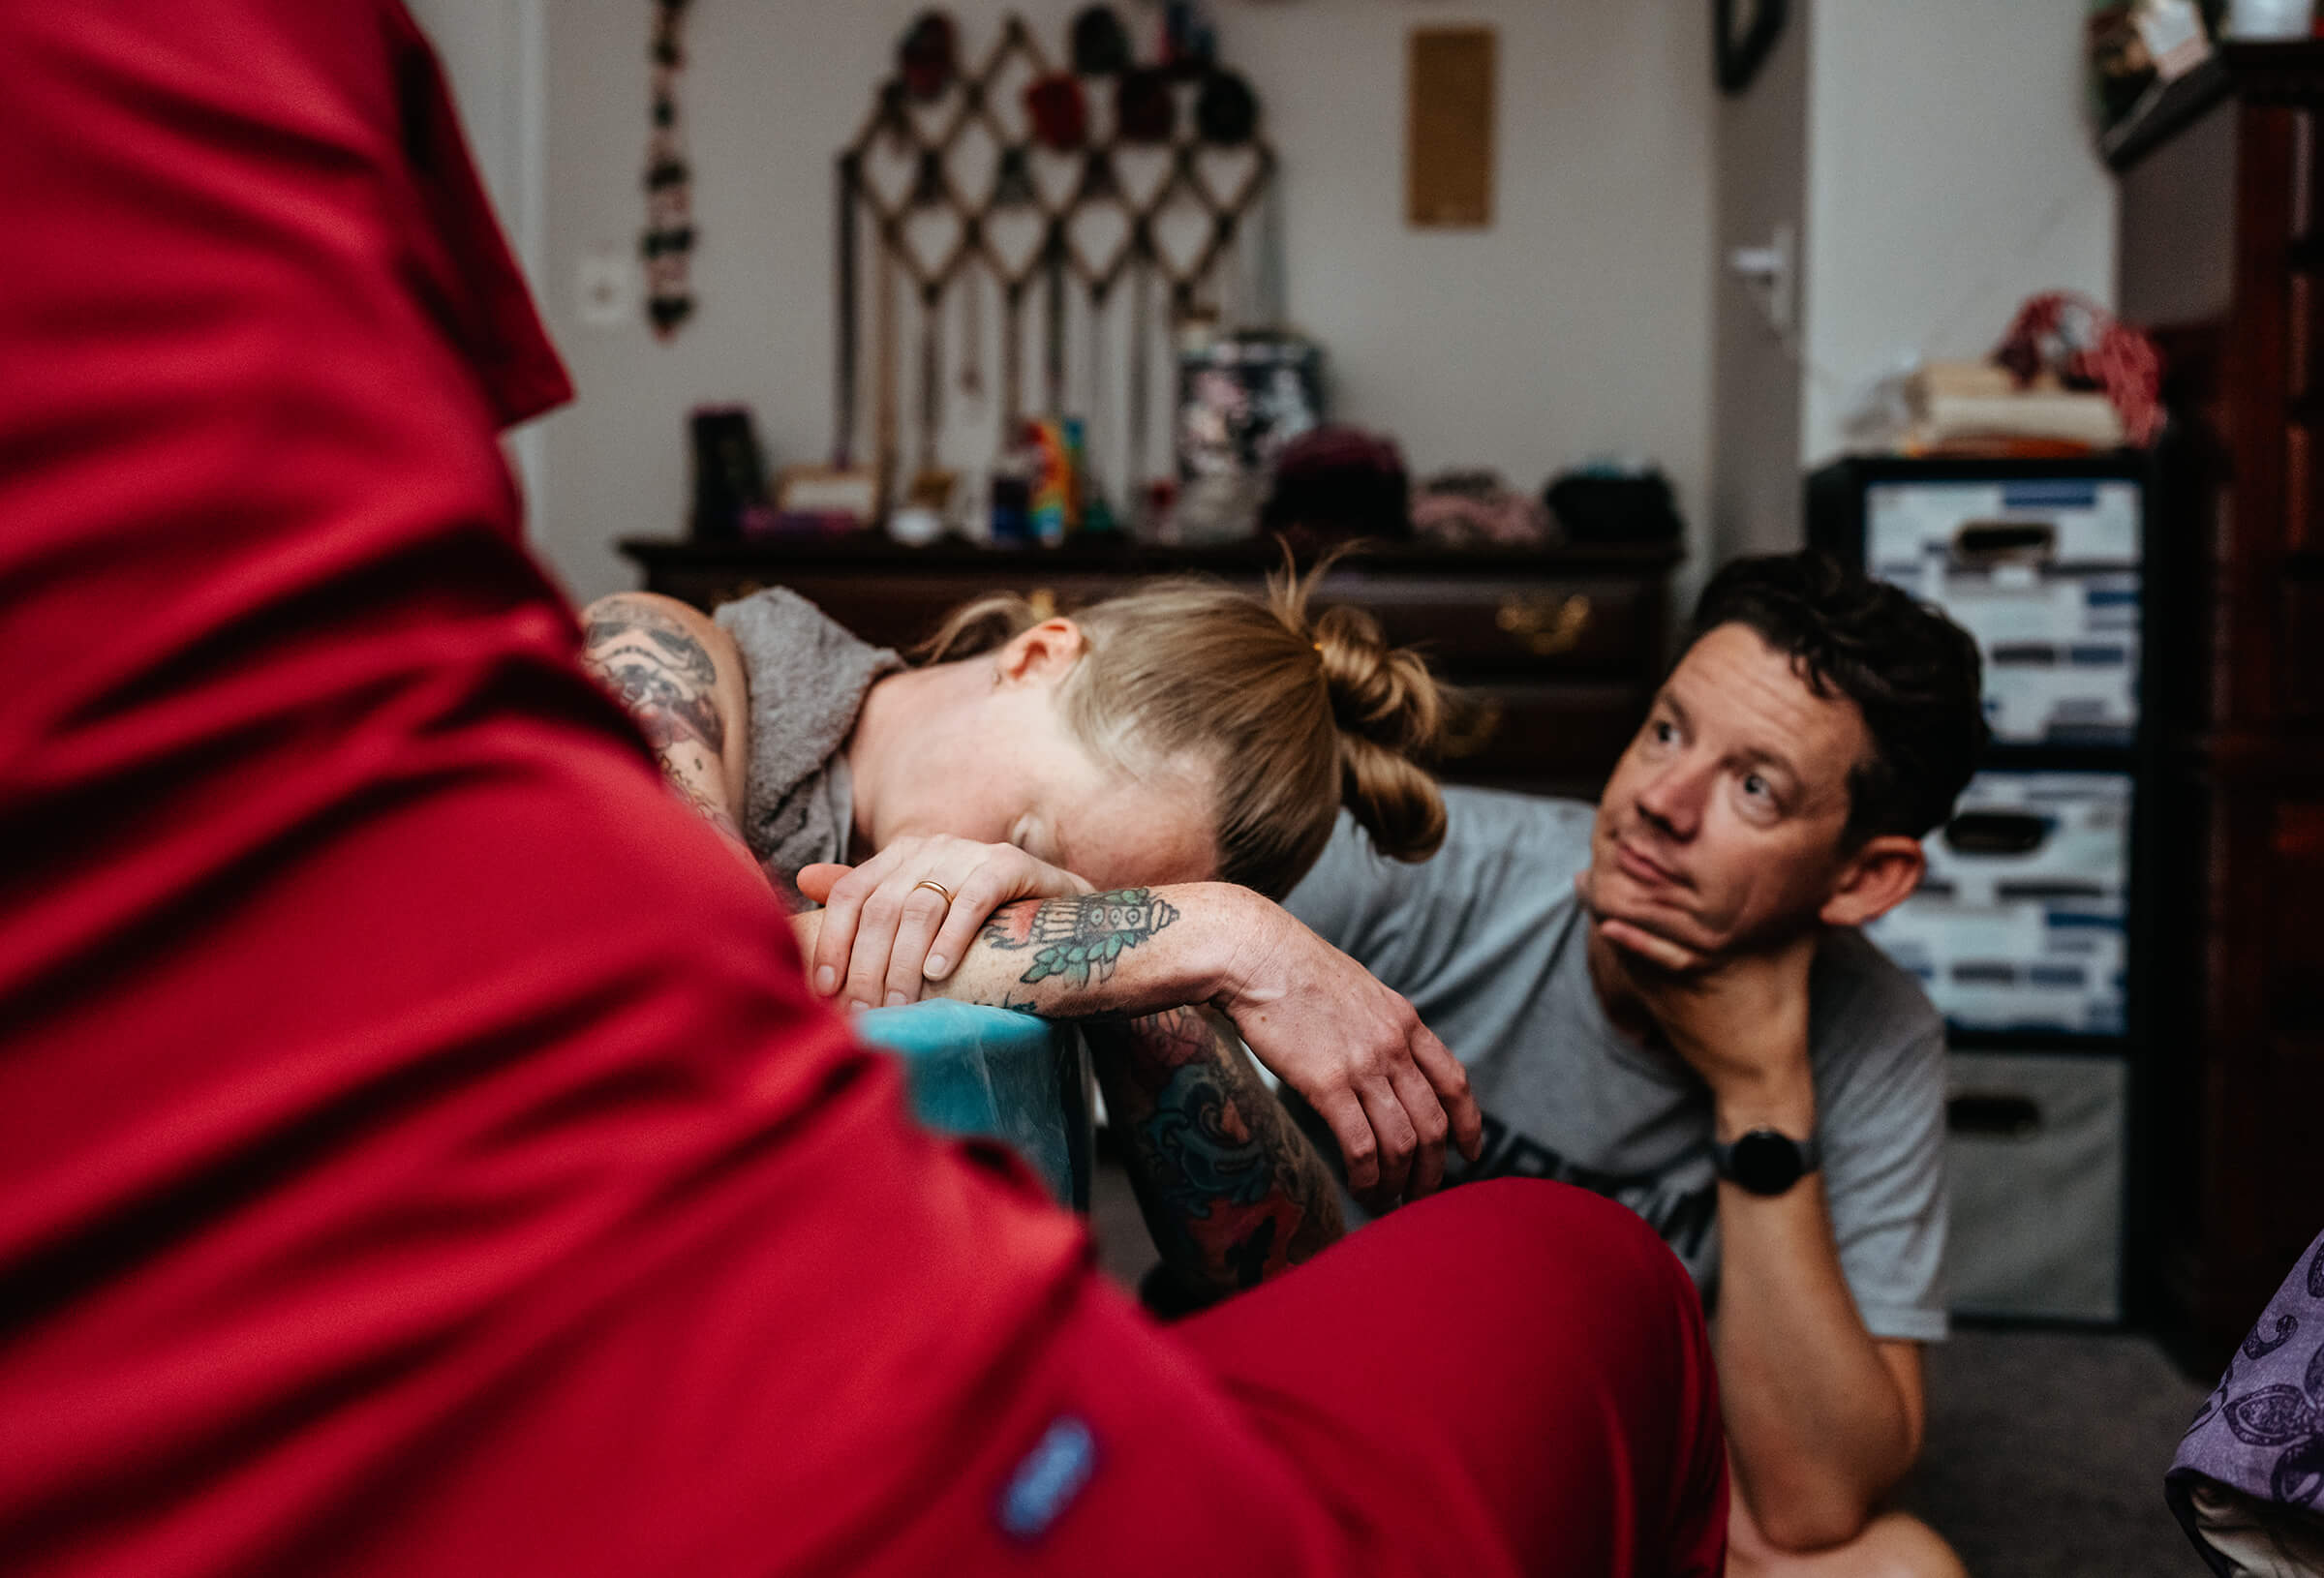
884,936
1738,1017
1384,1084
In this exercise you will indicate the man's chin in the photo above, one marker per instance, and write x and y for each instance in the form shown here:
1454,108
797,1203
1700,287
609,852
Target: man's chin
1615,886
1657,907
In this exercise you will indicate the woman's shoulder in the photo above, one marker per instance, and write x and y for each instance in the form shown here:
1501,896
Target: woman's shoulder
777,631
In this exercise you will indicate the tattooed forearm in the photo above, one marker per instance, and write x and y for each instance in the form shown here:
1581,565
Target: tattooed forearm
1078,939
1231,1190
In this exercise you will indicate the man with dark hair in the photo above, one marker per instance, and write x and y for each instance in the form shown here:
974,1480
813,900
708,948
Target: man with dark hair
1665,998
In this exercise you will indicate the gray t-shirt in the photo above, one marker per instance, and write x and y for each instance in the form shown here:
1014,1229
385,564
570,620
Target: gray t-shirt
807,679
1488,943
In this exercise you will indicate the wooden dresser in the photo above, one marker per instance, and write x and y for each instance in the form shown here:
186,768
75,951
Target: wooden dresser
1558,650
2222,257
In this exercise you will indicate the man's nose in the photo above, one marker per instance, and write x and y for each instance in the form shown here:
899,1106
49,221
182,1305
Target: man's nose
1673,796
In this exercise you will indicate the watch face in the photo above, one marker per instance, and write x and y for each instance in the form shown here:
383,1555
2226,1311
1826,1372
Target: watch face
1766,1163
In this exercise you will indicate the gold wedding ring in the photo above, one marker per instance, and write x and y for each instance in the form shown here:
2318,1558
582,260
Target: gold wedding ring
933,887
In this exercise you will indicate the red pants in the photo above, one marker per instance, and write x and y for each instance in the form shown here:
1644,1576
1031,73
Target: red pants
418,1153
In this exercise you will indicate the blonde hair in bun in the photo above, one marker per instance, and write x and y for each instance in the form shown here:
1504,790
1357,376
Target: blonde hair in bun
1296,715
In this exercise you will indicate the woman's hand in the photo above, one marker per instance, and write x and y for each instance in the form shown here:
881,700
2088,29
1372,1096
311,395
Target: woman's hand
883,934
1388,1088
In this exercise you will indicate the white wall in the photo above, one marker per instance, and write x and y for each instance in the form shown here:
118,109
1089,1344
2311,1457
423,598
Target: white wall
1950,175
1579,323
1762,174
492,51
494,54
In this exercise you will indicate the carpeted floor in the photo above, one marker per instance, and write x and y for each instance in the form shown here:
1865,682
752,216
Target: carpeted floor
2045,1450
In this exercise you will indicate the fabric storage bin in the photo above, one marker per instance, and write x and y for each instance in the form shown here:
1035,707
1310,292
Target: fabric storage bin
2019,924
2046,574
2034,1156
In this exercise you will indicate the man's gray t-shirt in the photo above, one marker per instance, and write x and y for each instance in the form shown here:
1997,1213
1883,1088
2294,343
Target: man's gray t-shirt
1489,943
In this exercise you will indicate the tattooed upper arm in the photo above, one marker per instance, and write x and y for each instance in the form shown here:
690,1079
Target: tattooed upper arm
657,669
657,661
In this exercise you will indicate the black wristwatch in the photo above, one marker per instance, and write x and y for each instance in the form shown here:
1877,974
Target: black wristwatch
1767,1161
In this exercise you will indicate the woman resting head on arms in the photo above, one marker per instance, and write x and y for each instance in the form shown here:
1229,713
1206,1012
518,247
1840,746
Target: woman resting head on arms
1150,774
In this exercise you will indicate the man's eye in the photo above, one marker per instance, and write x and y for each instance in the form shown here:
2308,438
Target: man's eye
1755,786
1662,731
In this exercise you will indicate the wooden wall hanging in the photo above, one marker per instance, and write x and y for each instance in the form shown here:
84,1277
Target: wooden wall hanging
1118,176
1448,128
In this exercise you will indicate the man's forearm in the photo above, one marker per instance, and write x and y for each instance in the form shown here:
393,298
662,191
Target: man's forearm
1231,1190
1819,1426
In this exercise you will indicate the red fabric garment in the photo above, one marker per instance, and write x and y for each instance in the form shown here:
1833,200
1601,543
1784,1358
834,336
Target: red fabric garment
1518,1381
418,1153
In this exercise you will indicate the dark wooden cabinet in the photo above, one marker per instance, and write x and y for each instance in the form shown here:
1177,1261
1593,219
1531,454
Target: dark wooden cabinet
1558,650
2221,257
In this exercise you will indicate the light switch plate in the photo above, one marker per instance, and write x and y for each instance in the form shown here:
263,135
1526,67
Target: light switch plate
608,287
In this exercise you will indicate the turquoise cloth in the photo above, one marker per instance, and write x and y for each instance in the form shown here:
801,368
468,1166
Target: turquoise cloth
995,1073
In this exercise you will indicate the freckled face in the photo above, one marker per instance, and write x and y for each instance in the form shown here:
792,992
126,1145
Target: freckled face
1722,823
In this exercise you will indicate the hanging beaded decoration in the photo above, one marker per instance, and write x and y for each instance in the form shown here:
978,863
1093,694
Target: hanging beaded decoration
1108,108
668,240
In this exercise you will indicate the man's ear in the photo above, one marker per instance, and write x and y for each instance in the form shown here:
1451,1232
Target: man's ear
1046,652
1876,878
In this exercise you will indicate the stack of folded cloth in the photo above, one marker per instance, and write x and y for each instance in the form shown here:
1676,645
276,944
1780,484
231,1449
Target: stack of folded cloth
1980,405
1335,483
1478,510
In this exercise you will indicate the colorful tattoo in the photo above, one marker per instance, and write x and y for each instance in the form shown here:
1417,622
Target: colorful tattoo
1205,1148
1231,1190
1078,938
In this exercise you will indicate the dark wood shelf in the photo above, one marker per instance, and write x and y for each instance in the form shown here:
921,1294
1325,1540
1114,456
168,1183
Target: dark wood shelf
2291,72
2223,224
2157,117
1122,556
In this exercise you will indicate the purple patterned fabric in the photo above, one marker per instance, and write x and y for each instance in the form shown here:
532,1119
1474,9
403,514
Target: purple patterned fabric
2261,1432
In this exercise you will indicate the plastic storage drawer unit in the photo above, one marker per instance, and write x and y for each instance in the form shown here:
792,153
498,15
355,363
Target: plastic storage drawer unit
2034,1154
2046,574
2018,926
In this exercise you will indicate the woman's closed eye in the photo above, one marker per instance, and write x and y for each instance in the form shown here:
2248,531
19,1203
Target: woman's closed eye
1030,835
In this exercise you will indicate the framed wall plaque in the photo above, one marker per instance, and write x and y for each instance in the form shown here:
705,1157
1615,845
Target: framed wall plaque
1448,128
